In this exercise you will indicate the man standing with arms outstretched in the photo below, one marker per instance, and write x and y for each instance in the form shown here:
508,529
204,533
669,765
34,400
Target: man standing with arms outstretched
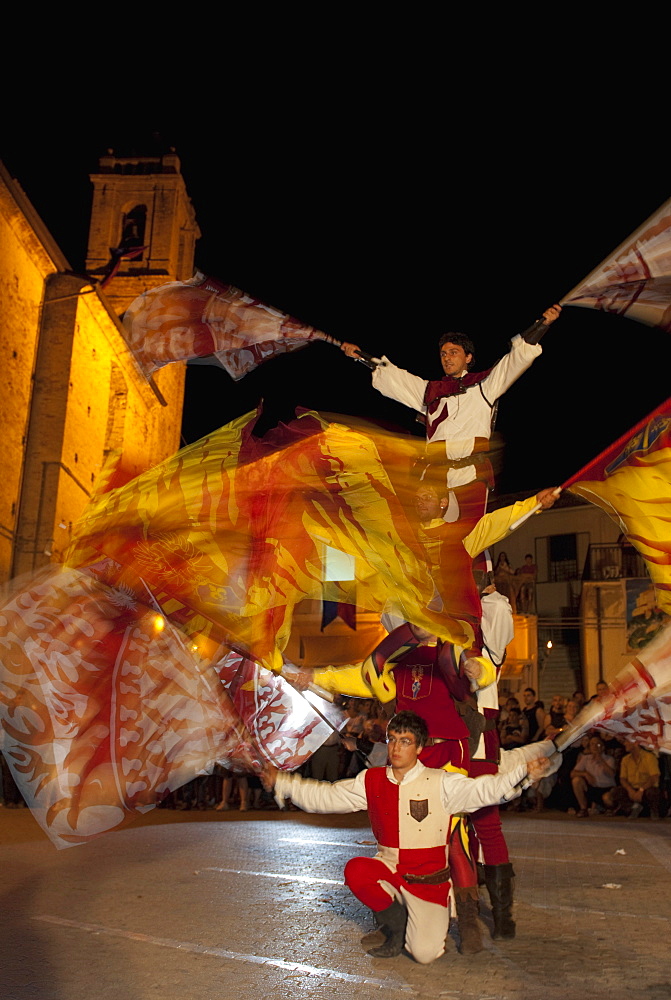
459,407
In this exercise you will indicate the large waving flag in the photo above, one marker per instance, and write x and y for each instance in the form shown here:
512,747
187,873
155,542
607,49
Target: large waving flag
230,534
635,280
154,653
202,318
631,481
105,708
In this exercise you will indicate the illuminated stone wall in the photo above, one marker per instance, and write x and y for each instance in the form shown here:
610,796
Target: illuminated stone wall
72,392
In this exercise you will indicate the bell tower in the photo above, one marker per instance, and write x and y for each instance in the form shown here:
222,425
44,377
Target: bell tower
143,225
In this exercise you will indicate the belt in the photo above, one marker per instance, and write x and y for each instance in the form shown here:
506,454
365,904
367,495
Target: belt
433,878
434,740
434,454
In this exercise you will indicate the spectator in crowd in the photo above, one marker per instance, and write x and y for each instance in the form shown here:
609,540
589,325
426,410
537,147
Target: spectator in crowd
358,710
511,704
504,579
324,764
526,581
554,719
579,698
593,779
372,744
514,731
639,781
534,712
563,797
229,783
571,709
602,690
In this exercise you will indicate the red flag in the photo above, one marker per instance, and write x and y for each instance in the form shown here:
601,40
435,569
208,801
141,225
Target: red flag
635,280
199,318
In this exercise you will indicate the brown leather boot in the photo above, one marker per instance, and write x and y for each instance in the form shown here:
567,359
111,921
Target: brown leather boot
391,922
470,931
499,882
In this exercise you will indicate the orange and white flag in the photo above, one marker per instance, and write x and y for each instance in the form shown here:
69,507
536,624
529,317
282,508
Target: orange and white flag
635,280
205,319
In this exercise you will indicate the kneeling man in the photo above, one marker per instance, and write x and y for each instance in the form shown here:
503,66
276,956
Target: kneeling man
407,883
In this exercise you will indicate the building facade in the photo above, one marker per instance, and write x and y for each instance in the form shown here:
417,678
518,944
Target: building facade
592,604
73,393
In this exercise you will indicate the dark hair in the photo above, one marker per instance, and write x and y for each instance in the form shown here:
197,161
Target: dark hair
532,691
461,340
410,722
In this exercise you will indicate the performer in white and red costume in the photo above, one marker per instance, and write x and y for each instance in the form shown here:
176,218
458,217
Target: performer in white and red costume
459,407
407,883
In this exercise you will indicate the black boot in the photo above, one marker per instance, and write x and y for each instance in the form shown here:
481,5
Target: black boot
499,882
392,923
467,919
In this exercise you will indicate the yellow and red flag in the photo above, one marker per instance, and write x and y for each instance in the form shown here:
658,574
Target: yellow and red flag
203,318
635,280
631,481
230,534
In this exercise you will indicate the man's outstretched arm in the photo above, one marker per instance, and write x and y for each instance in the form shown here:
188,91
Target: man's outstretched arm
542,325
348,795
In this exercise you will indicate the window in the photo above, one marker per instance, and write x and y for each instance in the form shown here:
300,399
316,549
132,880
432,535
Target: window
562,558
133,226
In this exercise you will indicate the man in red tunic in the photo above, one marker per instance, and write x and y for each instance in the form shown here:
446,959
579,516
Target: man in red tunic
407,883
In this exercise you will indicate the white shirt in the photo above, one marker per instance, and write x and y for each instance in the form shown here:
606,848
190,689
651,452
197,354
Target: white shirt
469,413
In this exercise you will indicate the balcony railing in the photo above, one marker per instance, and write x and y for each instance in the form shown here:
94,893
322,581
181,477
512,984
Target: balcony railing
613,562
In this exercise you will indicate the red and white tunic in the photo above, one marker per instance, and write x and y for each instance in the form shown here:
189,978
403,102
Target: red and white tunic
411,823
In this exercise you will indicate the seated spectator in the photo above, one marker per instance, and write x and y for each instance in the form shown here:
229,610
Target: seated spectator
602,690
571,709
593,779
563,796
513,731
371,746
579,698
511,704
542,790
639,782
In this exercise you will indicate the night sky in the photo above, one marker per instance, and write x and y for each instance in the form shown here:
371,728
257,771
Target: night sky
388,230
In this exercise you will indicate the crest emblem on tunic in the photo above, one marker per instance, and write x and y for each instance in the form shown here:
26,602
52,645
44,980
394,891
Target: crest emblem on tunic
417,675
419,809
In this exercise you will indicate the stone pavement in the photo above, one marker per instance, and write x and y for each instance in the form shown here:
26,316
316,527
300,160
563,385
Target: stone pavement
205,905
